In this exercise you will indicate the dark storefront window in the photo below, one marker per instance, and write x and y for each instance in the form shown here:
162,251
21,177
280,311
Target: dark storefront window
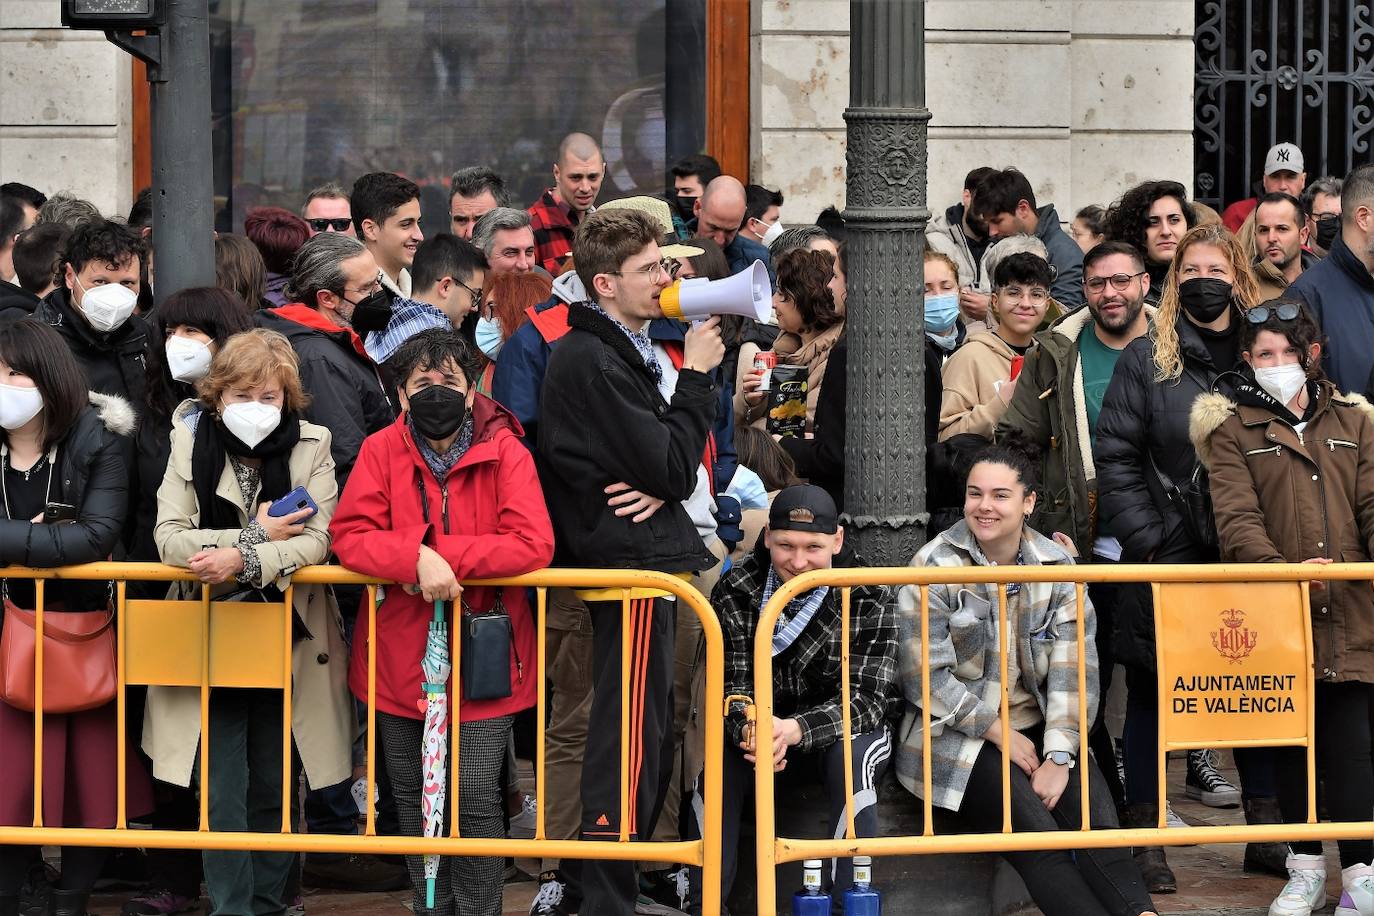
310,91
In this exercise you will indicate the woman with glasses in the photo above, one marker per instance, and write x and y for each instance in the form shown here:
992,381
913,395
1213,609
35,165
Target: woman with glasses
1153,216
980,378
1148,483
1291,461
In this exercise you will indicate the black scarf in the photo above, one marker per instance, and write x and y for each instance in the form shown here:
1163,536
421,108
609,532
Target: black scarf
214,442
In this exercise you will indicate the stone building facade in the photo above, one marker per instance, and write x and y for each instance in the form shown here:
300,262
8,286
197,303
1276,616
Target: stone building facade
1086,96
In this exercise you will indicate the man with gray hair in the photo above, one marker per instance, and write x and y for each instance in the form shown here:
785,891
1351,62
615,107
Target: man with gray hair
332,276
475,192
506,238
68,210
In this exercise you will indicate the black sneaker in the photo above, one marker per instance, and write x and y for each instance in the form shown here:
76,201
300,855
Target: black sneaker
662,893
1206,784
372,874
551,899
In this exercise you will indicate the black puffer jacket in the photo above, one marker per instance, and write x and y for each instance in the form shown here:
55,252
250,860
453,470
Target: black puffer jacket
92,474
1143,419
16,302
114,363
346,393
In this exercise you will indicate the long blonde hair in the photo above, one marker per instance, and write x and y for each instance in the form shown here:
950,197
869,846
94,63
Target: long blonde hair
1244,288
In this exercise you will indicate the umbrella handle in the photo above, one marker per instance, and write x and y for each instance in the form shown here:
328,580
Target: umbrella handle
438,612
429,887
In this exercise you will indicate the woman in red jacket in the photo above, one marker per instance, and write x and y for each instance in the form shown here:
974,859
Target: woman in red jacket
446,493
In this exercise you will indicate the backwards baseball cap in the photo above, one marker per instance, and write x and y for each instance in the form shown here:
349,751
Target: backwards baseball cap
804,507
1284,157
658,211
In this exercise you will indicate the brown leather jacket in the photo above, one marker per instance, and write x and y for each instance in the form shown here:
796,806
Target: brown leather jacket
1285,496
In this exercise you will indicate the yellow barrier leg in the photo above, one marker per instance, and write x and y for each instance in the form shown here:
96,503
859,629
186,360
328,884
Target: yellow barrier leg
1003,627
845,714
121,713
286,707
205,709
541,633
626,637
1084,726
371,827
38,703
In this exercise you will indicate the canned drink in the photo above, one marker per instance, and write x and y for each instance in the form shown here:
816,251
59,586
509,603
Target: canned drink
764,361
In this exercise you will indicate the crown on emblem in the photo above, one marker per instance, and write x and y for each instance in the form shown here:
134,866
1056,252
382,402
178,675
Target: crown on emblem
1233,617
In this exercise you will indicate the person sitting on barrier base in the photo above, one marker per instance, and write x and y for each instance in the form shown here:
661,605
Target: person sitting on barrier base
804,534
967,743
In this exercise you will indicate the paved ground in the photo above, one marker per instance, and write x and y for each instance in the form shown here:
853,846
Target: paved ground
1211,882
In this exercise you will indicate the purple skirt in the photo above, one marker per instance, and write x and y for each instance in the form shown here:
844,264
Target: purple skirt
80,751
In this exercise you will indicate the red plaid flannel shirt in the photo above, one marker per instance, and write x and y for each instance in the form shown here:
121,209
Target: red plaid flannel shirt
553,226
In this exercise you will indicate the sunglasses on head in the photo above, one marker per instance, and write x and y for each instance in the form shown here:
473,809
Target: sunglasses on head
338,225
1286,311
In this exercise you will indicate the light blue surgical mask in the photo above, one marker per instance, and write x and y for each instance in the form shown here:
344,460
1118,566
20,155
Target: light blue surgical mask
941,311
946,342
488,334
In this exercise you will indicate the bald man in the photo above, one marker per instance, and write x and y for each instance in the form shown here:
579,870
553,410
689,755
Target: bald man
577,177
720,213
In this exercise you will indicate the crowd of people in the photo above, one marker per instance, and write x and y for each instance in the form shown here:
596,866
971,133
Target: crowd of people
1156,384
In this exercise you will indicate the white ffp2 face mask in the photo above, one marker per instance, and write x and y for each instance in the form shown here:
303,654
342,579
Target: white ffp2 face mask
251,421
770,235
1283,382
107,307
188,360
18,405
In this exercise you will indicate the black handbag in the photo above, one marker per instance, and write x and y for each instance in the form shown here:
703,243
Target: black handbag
1193,501
486,651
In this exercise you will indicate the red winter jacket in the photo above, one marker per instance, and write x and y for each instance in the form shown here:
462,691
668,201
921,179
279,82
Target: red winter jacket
496,525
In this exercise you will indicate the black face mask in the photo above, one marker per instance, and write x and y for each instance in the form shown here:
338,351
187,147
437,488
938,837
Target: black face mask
438,411
1328,227
372,313
685,206
1204,298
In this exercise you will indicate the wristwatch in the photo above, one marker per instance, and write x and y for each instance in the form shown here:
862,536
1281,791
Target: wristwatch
1061,758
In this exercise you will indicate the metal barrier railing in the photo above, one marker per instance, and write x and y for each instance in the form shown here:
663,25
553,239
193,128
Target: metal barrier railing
773,850
197,672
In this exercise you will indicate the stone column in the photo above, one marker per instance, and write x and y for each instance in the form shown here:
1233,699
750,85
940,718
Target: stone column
885,216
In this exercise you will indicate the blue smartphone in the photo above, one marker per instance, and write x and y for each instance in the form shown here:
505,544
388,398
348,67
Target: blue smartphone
294,501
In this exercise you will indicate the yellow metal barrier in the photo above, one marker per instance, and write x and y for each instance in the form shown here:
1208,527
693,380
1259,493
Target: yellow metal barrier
773,849
198,648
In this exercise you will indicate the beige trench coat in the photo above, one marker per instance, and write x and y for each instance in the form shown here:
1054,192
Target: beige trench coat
322,719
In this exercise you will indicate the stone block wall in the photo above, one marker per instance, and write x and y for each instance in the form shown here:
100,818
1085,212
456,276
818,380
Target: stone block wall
1087,97
65,107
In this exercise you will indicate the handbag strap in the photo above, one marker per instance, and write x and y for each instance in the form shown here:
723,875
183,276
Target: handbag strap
51,629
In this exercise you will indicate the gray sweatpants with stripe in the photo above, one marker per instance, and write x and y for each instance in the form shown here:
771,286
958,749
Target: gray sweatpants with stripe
870,753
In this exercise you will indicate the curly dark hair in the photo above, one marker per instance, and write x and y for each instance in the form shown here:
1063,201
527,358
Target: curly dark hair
1126,218
804,277
102,240
1302,332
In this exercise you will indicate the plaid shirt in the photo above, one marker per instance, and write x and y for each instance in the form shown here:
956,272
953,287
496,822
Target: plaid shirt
806,676
408,318
553,223
965,672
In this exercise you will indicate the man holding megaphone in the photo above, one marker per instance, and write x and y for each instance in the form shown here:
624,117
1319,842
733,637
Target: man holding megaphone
604,419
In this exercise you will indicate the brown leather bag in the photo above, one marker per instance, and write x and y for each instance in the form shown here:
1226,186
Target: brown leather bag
78,659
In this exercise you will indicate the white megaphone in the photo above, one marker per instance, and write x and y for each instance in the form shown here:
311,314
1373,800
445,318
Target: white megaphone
748,293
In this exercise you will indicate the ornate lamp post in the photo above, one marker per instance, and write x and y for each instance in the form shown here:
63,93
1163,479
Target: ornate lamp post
885,215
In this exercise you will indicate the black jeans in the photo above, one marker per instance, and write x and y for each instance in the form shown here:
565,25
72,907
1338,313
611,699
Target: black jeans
1345,732
1085,882
609,888
1104,596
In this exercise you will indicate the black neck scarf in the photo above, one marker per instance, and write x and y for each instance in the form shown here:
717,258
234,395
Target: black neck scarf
214,442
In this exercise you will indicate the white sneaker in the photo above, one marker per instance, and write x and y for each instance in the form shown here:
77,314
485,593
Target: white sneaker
1171,819
1357,884
523,824
1306,887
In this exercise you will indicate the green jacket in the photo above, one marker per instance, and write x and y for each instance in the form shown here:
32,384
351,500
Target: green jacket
1048,406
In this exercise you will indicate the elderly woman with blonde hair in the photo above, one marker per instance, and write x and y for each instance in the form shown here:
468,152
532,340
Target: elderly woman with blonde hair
237,450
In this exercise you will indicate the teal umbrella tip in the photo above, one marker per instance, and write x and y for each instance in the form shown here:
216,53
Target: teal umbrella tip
429,889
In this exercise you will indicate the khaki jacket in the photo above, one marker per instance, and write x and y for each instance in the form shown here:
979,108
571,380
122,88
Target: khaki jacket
1284,496
970,402
322,719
